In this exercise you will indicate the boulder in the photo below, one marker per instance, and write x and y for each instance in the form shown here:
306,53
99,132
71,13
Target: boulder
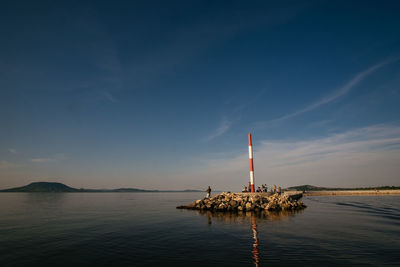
249,206
233,203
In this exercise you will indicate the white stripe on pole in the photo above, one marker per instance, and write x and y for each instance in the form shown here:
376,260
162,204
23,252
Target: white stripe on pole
252,177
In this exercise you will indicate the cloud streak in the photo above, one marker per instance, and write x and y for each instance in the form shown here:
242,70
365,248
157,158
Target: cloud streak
41,160
366,140
110,97
340,92
223,127
366,156
4,165
12,151
51,159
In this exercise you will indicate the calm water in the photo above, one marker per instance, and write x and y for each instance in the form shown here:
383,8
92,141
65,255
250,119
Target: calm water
145,229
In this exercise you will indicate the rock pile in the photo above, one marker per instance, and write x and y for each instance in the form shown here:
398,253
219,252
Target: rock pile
247,202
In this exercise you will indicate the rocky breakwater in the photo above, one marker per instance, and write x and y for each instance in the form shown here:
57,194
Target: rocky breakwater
247,202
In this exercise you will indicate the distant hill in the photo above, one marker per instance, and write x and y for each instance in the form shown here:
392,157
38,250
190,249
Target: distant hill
306,188
59,187
316,188
42,187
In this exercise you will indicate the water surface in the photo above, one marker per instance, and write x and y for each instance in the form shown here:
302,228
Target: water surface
145,229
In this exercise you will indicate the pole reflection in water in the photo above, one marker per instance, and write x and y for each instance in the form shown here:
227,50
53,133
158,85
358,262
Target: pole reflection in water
256,255
243,218
208,214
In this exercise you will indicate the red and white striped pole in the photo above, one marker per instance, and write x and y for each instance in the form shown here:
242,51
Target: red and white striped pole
251,165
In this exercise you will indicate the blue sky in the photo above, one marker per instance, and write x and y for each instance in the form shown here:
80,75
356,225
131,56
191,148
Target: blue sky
162,94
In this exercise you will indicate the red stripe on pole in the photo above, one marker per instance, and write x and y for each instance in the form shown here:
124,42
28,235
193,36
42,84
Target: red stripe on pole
251,165
249,139
252,188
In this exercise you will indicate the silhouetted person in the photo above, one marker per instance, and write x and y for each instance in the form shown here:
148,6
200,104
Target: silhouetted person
208,192
244,189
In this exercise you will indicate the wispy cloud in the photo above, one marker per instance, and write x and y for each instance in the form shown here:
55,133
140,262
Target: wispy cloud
41,160
12,151
223,127
355,142
110,97
57,157
191,39
364,156
7,165
339,92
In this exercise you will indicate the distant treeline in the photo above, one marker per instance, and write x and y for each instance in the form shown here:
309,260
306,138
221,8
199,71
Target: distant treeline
317,188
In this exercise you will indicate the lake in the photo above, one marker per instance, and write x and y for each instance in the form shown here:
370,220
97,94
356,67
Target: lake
145,229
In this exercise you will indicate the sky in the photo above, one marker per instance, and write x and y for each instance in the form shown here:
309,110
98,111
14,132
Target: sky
162,94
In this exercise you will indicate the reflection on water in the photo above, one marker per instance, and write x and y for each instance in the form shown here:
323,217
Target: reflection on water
243,217
251,218
38,198
256,255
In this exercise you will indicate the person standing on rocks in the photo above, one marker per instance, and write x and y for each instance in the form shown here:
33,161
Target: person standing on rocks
208,192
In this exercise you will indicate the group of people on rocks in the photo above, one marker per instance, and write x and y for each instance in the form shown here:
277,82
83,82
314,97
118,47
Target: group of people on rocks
263,189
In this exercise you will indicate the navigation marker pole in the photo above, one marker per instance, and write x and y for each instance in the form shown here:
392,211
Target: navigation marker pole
251,165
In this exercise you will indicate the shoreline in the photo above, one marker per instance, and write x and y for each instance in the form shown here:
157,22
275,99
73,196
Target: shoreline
348,193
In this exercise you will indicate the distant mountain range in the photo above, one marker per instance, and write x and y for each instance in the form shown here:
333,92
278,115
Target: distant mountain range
59,187
316,188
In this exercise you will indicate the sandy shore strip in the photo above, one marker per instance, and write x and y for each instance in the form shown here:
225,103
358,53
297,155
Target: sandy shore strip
348,193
